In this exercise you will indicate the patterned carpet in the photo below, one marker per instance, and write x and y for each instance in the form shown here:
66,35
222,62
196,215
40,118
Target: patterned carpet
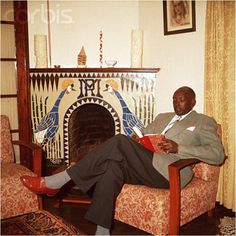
38,223
227,226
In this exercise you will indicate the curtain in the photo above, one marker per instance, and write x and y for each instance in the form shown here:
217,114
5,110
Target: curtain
219,91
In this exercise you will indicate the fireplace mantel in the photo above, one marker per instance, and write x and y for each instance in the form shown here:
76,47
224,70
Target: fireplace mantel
95,69
57,92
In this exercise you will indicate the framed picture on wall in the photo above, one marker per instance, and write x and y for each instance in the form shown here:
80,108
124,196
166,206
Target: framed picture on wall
179,16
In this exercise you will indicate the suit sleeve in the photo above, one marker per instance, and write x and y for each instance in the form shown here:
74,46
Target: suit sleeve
210,148
151,128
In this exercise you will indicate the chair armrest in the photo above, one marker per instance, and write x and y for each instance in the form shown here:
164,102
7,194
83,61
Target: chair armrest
37,155
180,164
175,192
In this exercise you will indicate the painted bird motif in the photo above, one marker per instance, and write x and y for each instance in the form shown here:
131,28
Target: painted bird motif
48,126
129,119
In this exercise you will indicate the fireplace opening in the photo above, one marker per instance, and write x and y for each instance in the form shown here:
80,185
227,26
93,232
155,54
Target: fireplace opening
89,125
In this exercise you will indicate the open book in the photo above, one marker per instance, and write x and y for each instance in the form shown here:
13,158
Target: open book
150,141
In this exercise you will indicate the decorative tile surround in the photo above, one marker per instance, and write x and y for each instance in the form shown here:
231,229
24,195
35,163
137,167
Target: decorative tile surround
57,93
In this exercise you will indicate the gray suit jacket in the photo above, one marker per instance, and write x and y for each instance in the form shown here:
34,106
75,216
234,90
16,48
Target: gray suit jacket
196,136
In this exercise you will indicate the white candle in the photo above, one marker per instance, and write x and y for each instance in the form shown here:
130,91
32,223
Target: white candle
40,51
136,48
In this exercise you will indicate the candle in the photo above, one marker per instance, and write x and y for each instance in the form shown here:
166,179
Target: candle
40,51
100,48
136,48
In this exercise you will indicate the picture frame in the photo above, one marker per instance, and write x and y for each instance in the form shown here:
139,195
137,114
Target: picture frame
179,16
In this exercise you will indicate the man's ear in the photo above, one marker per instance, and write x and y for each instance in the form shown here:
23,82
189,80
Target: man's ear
193,102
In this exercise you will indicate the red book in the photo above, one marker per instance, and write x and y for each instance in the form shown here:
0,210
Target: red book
150,141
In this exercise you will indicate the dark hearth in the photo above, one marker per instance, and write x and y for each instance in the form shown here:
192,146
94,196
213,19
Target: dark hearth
89,125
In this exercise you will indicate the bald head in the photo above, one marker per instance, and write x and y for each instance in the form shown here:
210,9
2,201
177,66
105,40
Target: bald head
184,99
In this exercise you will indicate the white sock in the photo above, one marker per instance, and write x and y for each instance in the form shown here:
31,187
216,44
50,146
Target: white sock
102,230
58,180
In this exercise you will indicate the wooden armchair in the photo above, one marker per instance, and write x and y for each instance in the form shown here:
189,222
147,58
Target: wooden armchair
163,211
16,199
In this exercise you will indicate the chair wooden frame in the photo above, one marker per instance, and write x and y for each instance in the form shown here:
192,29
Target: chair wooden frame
37,161
175,193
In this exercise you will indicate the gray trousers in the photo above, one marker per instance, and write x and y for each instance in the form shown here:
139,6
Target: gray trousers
107,168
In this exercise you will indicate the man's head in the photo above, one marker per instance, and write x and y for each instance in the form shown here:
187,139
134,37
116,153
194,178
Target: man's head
184,99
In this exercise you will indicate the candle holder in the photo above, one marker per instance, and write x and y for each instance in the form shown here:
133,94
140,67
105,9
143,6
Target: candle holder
136,48
40,51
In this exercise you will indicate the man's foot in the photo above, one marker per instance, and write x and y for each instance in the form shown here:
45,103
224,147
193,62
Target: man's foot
37,185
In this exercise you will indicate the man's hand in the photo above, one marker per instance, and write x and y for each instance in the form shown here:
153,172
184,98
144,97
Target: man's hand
169,146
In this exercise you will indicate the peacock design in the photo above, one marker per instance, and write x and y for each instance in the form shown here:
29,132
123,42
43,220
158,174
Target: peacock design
48,126
129,118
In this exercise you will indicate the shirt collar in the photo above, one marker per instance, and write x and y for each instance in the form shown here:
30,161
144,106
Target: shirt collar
183,116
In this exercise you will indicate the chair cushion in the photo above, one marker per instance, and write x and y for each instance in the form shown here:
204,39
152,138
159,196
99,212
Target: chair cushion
143,207
6,154
207,172
16,199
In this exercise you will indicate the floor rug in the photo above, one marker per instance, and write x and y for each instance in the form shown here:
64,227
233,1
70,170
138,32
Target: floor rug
227,226
38,223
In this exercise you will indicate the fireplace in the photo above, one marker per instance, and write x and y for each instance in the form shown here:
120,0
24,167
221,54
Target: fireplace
89,125
84,113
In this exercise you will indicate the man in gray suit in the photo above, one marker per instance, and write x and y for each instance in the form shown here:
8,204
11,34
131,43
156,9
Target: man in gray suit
122,160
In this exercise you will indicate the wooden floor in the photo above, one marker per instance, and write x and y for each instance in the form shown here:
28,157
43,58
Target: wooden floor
74,213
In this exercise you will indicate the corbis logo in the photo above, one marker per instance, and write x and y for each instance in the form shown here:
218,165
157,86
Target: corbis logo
56,15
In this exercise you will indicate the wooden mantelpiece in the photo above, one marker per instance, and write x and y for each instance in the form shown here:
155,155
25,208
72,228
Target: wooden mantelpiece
87,69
